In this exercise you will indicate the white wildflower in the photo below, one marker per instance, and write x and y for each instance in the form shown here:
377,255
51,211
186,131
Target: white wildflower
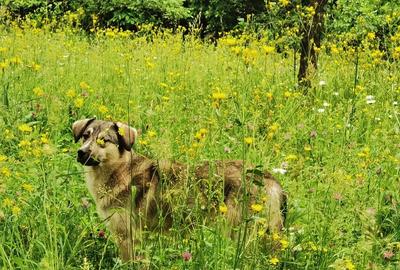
279,170
370,99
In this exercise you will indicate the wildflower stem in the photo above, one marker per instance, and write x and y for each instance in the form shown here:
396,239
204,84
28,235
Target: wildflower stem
242,239
353,100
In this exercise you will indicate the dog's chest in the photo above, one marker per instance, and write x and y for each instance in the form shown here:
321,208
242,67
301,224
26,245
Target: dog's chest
95,184
105,195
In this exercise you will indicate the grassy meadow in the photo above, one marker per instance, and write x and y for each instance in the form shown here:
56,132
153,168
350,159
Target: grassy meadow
335,149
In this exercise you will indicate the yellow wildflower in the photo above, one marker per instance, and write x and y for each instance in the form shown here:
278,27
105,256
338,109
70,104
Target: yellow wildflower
195,145
229,41
312,246
100,141
3,65
274,127
24,143
236,50
28,187
371,35
79,102
2,158
38,91
365,153
121,131
256,207
199,136
103,109
5,171
334,49
7,202
261,232
349,265
15,210
396,52
218,96
16,60
151,134
70,93
164,85
291,157
44,139
25,128
274,261
310,10
287,94
284,244
203,131
223,208
276,236
307,148
248,140
143,142
36,67
268,49
249,55
150,64
84,85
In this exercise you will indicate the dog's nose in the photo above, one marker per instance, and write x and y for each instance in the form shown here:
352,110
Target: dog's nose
81,153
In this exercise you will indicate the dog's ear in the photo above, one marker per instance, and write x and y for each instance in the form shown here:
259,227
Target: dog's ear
126,135
78,127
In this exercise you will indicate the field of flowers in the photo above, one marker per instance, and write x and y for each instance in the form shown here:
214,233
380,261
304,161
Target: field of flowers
335,149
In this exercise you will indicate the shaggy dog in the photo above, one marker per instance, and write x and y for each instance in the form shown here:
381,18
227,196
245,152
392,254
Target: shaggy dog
133,192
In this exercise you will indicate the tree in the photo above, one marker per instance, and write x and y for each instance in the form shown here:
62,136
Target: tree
311,35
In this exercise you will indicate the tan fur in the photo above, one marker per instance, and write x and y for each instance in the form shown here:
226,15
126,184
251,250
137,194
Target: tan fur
132,192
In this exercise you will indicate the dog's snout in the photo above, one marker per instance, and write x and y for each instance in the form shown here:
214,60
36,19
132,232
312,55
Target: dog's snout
85,157
82,156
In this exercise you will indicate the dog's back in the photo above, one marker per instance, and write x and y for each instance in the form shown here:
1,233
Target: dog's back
212,184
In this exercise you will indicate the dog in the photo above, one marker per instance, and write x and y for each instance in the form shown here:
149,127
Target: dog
133,192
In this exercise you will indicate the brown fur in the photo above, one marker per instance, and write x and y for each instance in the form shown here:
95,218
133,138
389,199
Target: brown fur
133,192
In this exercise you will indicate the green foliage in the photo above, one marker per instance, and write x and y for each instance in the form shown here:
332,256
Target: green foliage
218,16
126,13
358,18
40,8
214,17
23,7
111,13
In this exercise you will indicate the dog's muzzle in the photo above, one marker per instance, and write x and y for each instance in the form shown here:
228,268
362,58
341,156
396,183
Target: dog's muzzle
86,159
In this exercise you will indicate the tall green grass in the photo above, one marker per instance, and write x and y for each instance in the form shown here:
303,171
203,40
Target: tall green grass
339,145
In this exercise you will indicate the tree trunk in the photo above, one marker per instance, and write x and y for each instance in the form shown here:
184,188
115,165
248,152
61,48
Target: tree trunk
311,38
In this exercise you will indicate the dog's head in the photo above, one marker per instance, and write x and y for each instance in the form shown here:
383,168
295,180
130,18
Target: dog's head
103,142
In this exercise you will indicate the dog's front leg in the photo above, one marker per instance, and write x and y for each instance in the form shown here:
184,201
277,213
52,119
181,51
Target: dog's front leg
123,229
125,246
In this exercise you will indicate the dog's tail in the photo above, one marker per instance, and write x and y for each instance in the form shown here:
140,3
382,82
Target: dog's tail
276,206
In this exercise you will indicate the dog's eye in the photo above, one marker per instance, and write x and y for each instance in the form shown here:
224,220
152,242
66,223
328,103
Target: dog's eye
85,136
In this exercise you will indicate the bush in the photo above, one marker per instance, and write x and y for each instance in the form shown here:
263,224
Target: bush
128,14
217,16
